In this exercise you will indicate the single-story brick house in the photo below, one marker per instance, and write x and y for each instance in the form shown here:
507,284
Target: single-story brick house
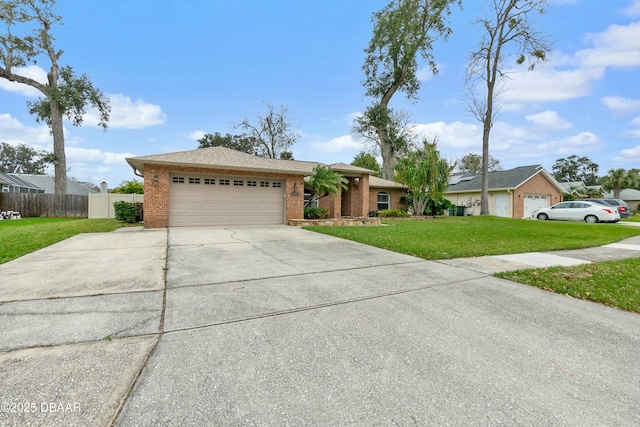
221,186
513,193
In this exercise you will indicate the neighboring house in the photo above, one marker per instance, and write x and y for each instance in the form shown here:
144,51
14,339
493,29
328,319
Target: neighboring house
580,190
629,195
513,193
11,183
47,183
220,186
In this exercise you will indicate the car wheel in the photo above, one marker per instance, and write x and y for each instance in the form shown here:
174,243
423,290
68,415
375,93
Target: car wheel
543,217
591,219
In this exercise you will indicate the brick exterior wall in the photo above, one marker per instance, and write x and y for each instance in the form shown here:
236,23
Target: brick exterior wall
156,207
539,184
395,195
333,205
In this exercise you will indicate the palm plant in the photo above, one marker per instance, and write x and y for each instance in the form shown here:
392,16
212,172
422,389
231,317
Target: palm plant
325,182
616,180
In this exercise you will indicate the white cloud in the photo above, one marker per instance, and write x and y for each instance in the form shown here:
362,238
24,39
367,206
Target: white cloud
629,155
620,105
633,133
129,114
196,135
618,46
33,72
14,132
582,142
425,73
632,10
547,84
456,135
550,120
336,145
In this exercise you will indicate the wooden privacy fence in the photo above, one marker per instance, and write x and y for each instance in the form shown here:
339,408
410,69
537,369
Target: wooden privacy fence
45,205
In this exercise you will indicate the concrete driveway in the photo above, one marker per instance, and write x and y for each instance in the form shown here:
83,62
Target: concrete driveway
281,326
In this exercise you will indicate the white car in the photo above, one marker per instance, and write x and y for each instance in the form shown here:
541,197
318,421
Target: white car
578,211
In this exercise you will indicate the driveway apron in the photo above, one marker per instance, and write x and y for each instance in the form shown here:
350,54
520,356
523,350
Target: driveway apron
79,319
282,326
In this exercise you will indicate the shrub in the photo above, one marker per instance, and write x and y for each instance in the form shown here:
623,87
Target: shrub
129,212
388,213
373,214
315,213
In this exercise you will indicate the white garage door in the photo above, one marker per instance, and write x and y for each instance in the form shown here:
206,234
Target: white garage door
225,200
533,202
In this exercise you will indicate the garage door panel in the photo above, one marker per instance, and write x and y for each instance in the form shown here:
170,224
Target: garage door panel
206,204
535,201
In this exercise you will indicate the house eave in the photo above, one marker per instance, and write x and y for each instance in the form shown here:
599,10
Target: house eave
138,165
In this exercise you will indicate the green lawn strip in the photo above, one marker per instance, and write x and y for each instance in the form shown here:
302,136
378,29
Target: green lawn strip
459,237
20,237
635,218
614,283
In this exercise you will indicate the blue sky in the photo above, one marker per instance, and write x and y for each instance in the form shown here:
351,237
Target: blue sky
178,68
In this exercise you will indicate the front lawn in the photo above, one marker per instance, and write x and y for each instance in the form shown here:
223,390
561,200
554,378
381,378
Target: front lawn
635,218
613,283
23,236
459,237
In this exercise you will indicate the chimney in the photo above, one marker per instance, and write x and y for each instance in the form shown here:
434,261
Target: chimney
103,188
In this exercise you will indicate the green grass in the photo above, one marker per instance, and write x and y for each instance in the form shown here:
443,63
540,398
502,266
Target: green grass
614,283
635,218
20,237
459,237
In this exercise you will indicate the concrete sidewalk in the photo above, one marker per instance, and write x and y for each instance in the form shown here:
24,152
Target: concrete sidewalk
278,325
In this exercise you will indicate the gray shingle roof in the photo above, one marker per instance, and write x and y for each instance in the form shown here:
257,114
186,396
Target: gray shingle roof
345,168
226,158
508,179
47,183
14,179
374,181
627,194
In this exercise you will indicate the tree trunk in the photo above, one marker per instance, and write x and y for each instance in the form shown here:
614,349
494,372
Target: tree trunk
57,131
388,158
484,195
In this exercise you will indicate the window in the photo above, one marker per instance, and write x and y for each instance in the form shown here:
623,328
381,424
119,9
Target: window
276,185
223,182
307,197
252,183
383,201
209,181
178,179
264,184
238,182
194,180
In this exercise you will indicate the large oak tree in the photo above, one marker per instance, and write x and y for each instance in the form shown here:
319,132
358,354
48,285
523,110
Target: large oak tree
27,38
23,159
404,31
